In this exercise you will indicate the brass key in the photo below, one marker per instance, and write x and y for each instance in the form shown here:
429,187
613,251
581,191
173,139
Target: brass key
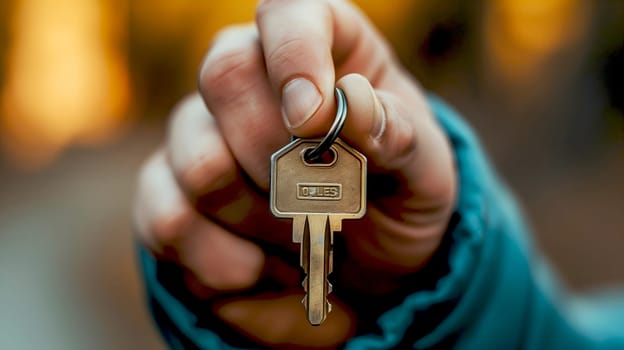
317,195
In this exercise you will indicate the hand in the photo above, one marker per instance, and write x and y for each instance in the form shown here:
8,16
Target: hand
202,198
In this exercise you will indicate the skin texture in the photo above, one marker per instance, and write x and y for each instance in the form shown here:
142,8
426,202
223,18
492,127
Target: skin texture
202,197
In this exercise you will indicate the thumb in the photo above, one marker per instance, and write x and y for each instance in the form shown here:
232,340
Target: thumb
306,44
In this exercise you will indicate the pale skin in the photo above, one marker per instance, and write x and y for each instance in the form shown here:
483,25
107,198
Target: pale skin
202,198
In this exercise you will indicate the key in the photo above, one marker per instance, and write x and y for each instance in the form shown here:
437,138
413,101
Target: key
317,196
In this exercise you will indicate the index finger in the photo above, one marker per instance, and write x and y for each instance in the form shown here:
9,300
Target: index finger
302,41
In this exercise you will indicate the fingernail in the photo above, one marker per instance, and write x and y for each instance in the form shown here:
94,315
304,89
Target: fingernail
379,124
300,99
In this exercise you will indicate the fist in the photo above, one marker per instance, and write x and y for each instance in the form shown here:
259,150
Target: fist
202,198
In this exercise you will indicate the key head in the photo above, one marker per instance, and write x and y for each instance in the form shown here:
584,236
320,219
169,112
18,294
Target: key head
336,187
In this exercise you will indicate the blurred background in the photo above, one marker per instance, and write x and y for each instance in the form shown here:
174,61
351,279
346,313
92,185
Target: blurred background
86,86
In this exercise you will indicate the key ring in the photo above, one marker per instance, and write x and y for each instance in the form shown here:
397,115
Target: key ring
339,121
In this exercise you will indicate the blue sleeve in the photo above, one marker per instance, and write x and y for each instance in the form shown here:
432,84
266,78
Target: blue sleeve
495,294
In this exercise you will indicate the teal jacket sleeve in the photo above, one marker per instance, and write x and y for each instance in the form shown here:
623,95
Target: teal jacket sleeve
496,293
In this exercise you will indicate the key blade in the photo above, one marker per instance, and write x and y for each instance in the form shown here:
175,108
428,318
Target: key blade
301,234
317,236
298,227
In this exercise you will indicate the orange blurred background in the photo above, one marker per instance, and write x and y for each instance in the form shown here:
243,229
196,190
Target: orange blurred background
86,86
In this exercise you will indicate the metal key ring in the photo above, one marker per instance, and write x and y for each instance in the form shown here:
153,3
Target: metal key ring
339,121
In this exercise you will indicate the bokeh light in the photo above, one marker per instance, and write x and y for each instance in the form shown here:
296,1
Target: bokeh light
521,34
67,78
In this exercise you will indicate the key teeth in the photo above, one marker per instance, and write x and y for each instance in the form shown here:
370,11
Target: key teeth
313,226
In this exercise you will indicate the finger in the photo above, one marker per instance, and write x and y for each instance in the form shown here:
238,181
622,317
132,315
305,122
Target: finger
168,225
279,322
413,196
211,178
233,83
300,60
200,160
382,248
405,142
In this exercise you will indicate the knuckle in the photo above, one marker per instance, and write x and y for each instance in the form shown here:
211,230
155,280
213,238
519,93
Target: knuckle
139,204
244,272
240,277
205,165
406,144
159,221
185,108
186,112
166,228
289,53
209,171
226,73
263,7
235,277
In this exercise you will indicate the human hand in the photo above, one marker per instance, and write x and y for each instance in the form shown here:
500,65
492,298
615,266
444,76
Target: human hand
202,198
